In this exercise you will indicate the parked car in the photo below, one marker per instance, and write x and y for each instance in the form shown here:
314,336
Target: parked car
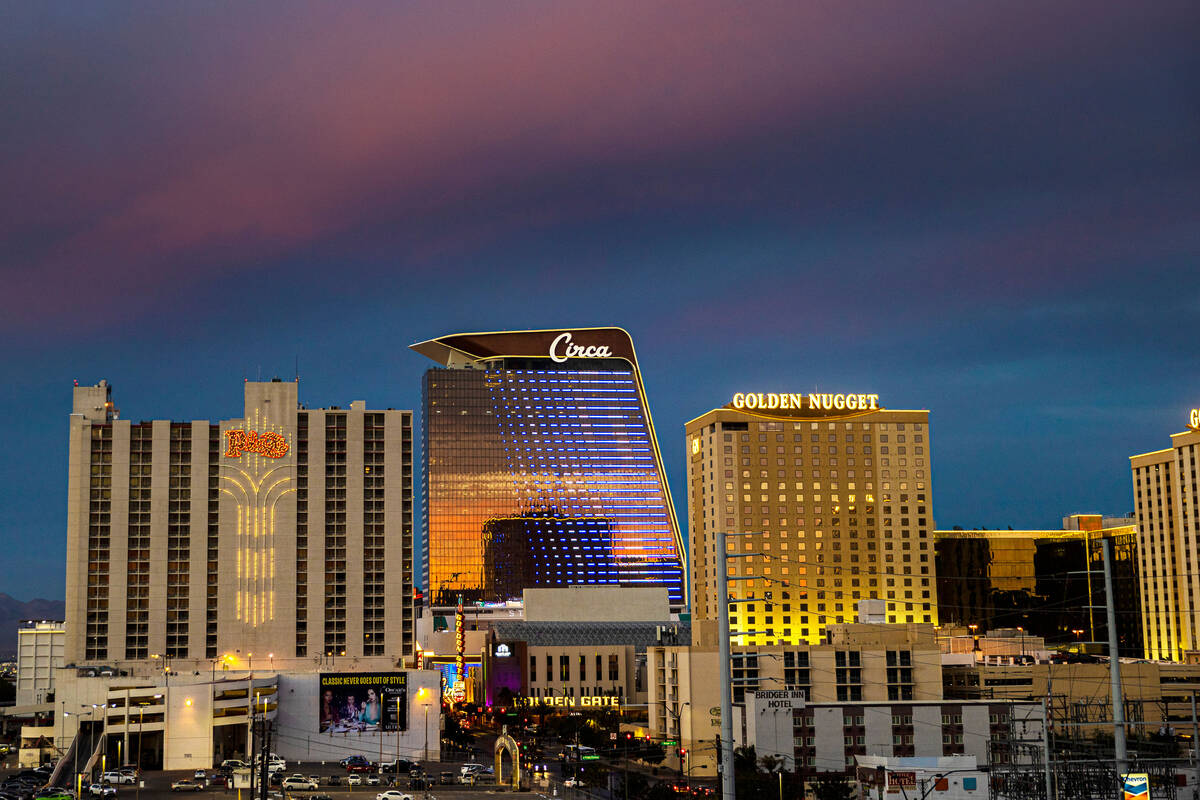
200,776
372,780
233,763
299,782
116,777
185,785
355,759
392,794
354,779
102,790
360,766
573,782
219,781
448,778
471,769
334,780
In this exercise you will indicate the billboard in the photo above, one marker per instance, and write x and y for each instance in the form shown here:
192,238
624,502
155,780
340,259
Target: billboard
363,701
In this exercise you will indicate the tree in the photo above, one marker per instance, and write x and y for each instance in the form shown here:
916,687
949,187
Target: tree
653,753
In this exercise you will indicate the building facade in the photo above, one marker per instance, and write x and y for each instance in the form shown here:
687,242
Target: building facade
281,538
542,468
1166,496
877,663
832,497
1048,583
39,654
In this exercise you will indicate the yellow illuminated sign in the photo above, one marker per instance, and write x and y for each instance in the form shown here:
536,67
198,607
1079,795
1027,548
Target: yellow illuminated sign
267,445
573,702
1194,419
814,401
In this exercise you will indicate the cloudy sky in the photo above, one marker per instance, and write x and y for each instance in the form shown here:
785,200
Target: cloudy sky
989,210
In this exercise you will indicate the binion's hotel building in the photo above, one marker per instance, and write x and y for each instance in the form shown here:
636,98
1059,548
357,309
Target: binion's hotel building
219,571
833,491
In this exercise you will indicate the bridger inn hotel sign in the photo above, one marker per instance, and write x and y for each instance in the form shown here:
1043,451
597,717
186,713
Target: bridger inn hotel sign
815,401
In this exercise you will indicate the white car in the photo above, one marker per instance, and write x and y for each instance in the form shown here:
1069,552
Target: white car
299,782
233,763
354,779
472,769
102,790
392,794
116,777
572,782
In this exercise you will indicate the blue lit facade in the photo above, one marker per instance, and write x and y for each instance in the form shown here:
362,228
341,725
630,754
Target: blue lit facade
544,472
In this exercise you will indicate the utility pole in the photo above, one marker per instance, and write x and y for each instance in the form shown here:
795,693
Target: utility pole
1046,746
1114,667
1195,730
726,752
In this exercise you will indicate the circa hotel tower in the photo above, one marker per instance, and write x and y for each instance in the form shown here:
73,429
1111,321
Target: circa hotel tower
542,468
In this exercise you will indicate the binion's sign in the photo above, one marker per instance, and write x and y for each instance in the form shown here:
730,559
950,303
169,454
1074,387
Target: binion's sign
267,445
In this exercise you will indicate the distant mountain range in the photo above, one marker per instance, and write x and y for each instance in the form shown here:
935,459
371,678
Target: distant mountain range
12,611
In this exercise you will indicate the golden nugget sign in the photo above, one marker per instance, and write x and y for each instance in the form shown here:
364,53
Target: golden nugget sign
800,402
1194,419
267,445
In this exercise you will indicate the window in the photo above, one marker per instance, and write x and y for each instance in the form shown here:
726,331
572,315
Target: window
582,668
614,670
564,668
532,669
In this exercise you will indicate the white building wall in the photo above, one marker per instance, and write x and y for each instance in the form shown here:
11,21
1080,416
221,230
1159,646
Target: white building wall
831,750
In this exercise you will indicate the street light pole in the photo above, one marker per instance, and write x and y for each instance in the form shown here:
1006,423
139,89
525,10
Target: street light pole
726,679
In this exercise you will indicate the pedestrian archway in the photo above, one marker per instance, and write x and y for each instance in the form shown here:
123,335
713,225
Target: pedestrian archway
507,743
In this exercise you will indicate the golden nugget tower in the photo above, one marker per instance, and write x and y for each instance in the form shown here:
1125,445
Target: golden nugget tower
834,493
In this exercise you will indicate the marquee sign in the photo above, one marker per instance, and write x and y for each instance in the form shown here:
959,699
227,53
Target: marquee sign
1194,419
267,445
815,401
566,701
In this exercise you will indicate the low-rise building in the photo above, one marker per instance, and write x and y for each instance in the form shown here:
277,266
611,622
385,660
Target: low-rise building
880,663
1158,694
39,653
824,738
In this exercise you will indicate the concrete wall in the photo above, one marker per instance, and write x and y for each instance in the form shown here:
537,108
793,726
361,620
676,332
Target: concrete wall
587,604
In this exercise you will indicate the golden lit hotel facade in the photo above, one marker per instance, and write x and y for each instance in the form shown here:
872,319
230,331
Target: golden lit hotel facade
829,495
1166,496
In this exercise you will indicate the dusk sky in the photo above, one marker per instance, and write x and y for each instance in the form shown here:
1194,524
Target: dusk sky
987,210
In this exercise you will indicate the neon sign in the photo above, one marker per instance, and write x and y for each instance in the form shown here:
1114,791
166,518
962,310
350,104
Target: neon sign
571,350
1194,419
797,402
267,445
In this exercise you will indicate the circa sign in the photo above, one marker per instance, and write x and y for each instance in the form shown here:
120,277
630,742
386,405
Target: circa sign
798,402
563,348
267,445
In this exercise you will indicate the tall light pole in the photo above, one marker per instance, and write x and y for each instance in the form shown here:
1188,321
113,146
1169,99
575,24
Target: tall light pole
725,755
397,735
